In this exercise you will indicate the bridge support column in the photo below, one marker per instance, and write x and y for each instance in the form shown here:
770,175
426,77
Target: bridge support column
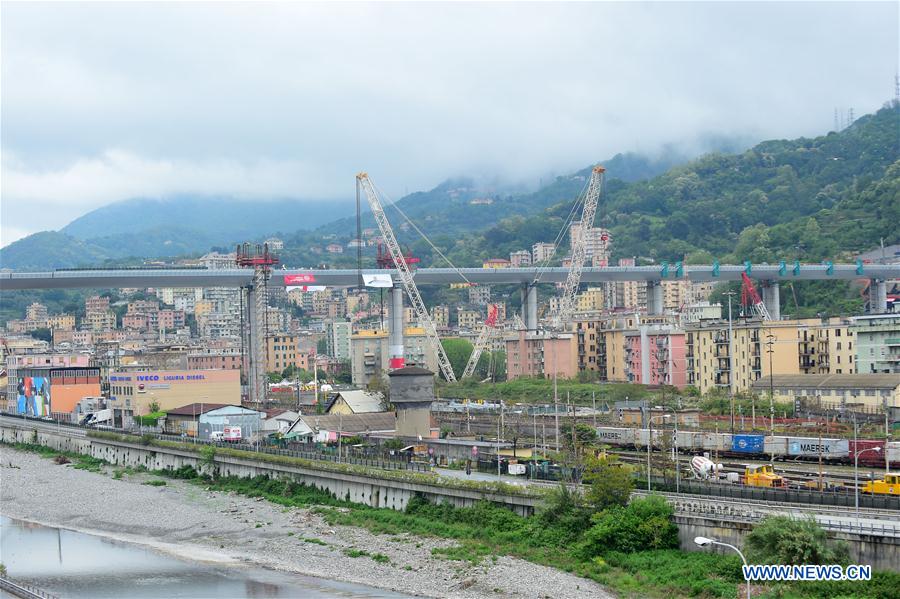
256,349
771,297
654,298
877,296
395,332
529,306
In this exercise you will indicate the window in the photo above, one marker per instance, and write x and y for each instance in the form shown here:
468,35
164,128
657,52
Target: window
837,333
839,345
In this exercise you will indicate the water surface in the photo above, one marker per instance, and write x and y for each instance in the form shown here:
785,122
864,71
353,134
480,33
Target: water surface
73,564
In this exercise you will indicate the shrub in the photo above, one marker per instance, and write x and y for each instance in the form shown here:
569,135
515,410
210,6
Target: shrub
61,459
786,540
610,482
641,525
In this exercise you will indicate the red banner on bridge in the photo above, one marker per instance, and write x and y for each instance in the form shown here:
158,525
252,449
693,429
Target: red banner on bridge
306,279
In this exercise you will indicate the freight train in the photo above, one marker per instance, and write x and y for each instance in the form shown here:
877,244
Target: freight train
871,453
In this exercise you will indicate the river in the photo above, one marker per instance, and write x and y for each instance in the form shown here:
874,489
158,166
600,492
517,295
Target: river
78,565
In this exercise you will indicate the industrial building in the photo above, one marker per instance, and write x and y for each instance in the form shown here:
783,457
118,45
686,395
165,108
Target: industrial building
132,392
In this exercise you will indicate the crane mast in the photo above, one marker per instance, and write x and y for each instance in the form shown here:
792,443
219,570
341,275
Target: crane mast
406,277
573,279
484,338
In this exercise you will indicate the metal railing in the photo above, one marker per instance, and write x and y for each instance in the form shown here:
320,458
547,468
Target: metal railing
26,591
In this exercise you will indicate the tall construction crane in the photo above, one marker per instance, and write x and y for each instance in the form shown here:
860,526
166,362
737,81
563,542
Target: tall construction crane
484,337
406,277
567,303
751,300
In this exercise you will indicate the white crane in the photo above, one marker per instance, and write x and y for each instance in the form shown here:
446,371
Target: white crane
567,302
406,277
484,337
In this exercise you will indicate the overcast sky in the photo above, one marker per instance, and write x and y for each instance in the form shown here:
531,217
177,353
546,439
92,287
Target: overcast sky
108,101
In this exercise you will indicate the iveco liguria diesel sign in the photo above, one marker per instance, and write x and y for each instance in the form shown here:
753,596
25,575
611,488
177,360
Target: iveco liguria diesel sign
156,377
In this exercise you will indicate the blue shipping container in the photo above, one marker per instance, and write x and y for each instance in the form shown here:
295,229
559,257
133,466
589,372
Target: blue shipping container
747,443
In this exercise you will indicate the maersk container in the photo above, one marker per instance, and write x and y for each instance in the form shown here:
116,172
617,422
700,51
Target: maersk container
748,443
615,436
813,447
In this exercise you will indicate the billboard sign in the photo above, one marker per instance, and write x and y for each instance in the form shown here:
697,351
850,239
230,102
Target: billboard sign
304,279
33,396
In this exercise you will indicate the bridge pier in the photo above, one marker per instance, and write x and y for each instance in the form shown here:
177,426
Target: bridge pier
256,342
772,298
654,298
395,330
529,306
877,296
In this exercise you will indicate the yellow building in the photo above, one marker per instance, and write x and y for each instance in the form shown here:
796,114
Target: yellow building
793,347
592,299
854,392
283,350
61,322
133,392
469,319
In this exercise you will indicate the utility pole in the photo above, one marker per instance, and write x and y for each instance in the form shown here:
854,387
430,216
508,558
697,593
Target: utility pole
770,342
731,294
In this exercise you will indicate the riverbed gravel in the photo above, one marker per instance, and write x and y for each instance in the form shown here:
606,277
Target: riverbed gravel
192,522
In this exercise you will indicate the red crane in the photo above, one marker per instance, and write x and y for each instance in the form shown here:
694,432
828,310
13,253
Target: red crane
750,298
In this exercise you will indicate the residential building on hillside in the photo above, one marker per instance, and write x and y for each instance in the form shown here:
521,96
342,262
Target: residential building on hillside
520,258
61,322
338,339
877,343
480,295
541,252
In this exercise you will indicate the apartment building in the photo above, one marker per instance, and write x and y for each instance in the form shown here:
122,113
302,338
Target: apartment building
338,335
655,355
61,322
878,343
369,350
541,252
469,319
520,258
540,354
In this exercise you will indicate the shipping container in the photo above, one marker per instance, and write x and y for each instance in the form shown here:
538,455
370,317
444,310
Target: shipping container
717,441
748,443
615,436
813,447
893,453
867,455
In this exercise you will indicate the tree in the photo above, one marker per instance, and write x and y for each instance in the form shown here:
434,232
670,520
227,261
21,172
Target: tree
44,334
458,352
786,540
641,525
610,482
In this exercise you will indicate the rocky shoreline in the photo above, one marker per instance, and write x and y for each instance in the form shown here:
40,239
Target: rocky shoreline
188,521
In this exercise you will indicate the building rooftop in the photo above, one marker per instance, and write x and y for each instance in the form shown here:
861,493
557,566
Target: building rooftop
351,423
831,381
411,371
195,409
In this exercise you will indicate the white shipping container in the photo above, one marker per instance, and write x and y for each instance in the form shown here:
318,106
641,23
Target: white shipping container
813,447
893,452
615,436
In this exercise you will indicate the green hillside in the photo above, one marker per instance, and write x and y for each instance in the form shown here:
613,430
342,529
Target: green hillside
825,198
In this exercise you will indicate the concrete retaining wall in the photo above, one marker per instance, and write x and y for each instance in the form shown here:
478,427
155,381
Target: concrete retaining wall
369,490
882,553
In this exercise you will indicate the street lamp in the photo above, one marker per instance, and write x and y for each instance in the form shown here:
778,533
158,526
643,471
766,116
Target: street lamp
704,542
856,454
650,443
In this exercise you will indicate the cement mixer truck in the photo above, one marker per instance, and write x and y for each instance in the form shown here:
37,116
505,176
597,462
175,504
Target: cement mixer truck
704,468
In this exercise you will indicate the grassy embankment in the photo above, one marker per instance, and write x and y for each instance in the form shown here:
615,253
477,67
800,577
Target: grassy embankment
561,535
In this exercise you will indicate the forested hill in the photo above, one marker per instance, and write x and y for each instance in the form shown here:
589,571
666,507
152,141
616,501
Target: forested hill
818,198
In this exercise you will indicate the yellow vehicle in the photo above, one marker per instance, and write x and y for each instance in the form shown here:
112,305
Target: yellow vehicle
762,476
889,485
